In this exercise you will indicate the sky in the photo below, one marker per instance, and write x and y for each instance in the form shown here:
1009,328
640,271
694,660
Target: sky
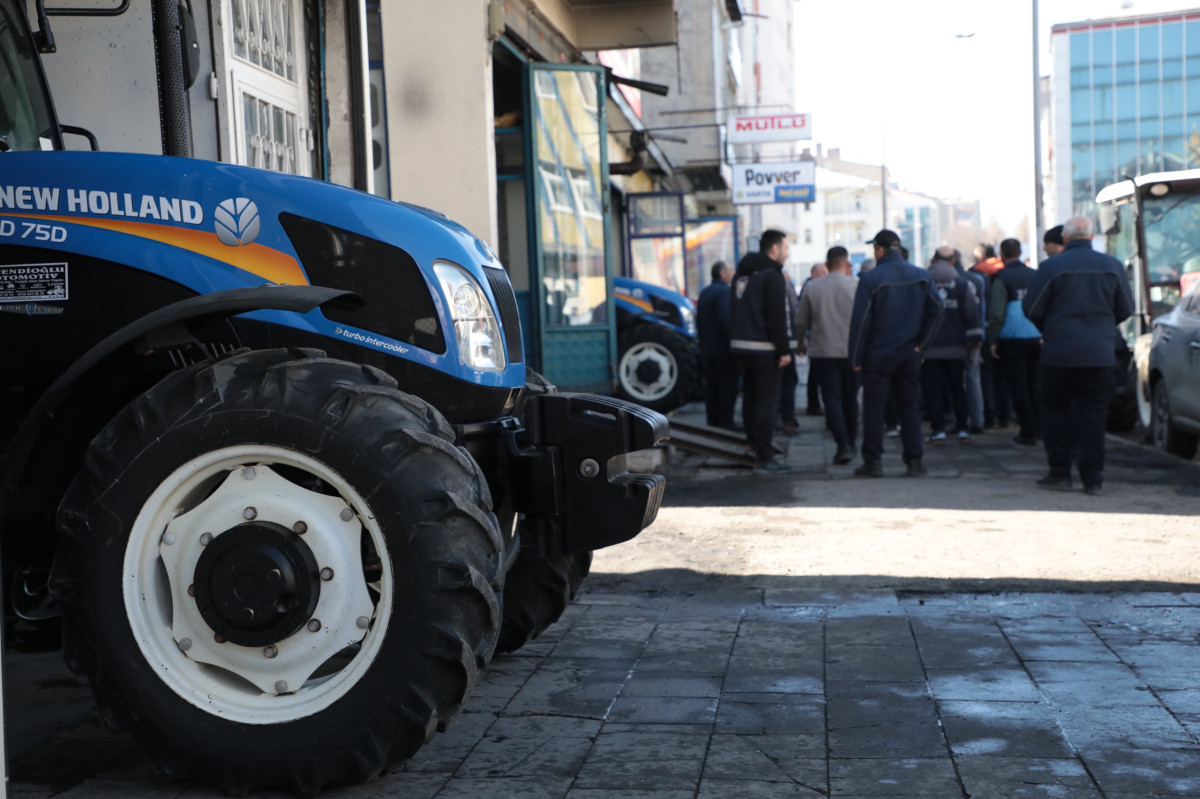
941,90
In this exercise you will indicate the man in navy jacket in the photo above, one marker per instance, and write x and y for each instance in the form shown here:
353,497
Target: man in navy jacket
720,369
896,312
1077,299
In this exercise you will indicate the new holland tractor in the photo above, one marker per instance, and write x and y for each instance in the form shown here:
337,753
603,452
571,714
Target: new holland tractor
269,453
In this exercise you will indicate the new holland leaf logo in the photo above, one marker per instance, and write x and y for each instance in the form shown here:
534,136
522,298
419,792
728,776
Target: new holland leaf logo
237,222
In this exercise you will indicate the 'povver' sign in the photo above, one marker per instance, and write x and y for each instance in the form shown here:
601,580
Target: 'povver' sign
774,182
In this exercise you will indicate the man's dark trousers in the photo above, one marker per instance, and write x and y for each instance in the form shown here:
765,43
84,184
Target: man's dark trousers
937,377
905,383
1074,410
789,379
1019,359
720,390
761,377
839,393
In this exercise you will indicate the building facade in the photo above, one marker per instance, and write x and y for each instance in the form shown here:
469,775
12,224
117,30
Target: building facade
1125,102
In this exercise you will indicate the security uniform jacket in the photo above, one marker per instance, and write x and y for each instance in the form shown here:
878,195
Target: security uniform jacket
1077,299
960,325
1006,317
760,316
896,311
712,320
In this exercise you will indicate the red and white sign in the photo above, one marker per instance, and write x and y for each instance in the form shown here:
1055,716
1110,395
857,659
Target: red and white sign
772,127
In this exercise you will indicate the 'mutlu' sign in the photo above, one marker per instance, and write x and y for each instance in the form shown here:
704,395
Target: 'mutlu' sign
773,127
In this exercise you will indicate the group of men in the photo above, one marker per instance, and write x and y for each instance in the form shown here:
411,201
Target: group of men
912,337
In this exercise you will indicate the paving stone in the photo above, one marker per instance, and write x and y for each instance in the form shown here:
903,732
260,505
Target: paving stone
663,685
769,758
887,663
572,687
550,746
1009,729
524,787
1132,728
1076,647
1146,772
869,631
745,677
625,793
769,714
989,684
953,644
723,789
639,761
988,777
894,777
664,710
1090,684
873,720
447,750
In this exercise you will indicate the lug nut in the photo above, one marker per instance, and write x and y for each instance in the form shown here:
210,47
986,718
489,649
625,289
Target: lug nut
589,468
281,687
363,622
168,538
299,528
206,539
249,513
191,590
314,625
248,473
220,639
185,644
347,514
327,574
271,651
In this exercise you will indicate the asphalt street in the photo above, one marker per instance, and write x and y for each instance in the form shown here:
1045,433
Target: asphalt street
804,635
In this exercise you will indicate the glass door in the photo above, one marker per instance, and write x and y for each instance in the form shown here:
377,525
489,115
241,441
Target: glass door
568,173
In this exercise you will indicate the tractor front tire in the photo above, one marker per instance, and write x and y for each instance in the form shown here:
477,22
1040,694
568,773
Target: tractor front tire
279,571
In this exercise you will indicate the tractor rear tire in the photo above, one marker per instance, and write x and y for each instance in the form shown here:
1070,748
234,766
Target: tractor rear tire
192,503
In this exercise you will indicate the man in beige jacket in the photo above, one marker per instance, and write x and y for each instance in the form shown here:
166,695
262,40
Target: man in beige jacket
825,308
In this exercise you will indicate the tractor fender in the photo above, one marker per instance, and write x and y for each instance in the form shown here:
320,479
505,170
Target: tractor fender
160,328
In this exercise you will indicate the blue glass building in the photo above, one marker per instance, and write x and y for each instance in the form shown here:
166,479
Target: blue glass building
1125,102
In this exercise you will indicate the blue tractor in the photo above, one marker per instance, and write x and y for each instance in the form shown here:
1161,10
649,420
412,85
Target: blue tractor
659,358
270,452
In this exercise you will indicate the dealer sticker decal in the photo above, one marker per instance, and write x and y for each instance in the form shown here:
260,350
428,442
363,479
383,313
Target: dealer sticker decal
33,282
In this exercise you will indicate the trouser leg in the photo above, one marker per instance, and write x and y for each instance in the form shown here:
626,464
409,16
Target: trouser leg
974,390
824,373
1093,388
789,379
875,395
1015,355
906,385
933,389
849,381
953,370
1056,411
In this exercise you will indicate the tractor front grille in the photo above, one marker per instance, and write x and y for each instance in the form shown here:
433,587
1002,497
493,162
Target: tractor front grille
506,300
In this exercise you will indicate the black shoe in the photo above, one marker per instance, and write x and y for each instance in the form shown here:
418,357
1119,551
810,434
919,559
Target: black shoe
1093,491
844,455
869,469
1025,441
773,465
791,429
1055,482
915,469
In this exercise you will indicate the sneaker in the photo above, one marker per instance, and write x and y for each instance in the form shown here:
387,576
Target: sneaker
892,433
1093,491
844,455
916,469
773,465
936,438
1025,441
1055,482
869,469
964,436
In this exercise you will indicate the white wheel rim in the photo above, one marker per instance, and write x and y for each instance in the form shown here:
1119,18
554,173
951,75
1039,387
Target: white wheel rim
648,352
211,494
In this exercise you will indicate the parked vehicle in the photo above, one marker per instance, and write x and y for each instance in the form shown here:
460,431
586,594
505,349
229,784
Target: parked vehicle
269,448
659,356
1151,224
1174,369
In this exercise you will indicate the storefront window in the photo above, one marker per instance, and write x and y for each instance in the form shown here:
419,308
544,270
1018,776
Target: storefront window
568,144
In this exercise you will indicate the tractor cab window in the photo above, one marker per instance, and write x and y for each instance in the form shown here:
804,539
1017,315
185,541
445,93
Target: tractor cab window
26,119
1171,247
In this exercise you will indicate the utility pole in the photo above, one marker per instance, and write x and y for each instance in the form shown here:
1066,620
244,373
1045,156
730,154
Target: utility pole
1039,226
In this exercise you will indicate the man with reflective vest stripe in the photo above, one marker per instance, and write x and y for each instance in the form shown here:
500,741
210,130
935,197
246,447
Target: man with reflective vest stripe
1014,340
762,340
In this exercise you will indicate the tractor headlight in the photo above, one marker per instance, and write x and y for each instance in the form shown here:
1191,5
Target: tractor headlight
476,330
689,320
